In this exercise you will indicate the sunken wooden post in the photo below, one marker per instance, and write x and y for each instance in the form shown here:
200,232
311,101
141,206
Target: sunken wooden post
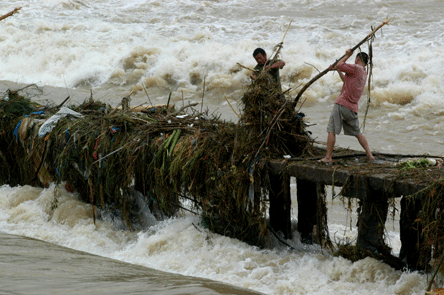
372,212
410,234
307,208
371,221
280,204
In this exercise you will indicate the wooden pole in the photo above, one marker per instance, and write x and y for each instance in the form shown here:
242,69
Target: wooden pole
203,95
91,198
279,46
148,95
245,67
369,84
232,107
168,103
334,64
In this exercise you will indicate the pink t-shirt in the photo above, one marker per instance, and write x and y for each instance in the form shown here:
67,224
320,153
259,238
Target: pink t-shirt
354,84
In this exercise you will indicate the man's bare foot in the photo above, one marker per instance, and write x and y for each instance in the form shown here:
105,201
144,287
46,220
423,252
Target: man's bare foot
325,160
371,158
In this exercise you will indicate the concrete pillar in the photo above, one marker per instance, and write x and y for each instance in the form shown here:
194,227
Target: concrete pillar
371,221
280,204
410,232
307,209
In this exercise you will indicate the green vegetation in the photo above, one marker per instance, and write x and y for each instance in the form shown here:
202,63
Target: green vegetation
167,156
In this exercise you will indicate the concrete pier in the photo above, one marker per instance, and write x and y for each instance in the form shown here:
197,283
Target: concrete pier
231,188
372,184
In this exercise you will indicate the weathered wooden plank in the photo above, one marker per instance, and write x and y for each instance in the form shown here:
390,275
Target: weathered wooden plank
335,175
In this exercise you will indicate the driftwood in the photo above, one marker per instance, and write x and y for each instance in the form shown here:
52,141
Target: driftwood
334,64
187,106
232,107
432,280
247,68
273,123
10,13
58,106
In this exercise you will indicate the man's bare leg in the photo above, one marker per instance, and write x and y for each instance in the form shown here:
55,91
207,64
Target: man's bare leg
331,140
364,144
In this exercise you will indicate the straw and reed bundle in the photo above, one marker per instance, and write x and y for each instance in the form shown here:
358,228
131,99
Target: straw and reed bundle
168,156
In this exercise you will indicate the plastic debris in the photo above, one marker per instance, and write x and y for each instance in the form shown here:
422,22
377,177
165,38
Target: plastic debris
52,121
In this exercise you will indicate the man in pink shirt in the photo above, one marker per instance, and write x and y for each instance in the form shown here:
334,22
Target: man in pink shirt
345,110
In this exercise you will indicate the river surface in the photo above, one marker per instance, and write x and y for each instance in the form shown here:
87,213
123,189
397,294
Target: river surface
191,48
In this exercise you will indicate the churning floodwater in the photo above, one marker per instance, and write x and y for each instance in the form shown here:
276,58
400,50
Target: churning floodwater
191,49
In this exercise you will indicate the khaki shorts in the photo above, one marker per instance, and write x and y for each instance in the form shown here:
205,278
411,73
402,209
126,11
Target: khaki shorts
341,117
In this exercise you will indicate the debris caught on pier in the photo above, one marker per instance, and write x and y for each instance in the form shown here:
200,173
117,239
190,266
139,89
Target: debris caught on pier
186,159
167,155
272,118
430,220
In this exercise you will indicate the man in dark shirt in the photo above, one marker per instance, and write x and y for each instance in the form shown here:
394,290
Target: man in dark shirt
271,66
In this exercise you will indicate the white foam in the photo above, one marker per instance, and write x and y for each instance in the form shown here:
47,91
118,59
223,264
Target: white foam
44,44
177,45
181,245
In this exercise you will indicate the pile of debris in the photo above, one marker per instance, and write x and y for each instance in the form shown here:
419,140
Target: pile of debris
105,154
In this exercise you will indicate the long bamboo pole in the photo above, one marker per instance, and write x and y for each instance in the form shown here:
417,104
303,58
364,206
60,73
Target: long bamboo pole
10,13
280,45
369,84
334,64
